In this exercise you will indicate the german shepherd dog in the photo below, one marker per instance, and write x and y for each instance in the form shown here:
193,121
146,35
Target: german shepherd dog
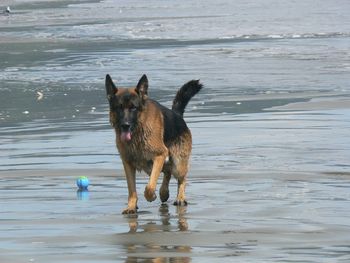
151,138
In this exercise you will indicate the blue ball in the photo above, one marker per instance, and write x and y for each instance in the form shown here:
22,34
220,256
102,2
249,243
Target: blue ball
83,182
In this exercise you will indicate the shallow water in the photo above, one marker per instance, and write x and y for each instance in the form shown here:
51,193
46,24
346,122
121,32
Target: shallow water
272,123
245,217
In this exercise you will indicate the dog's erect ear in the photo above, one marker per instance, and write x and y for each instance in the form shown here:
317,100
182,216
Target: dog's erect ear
111,89
142,86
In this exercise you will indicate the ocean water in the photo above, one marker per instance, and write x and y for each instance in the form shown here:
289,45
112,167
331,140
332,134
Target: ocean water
269,176
250,55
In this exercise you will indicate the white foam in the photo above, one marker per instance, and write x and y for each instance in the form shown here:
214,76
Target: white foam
275,36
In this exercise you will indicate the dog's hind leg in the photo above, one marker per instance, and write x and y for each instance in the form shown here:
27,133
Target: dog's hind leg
181,198
180,173
164,189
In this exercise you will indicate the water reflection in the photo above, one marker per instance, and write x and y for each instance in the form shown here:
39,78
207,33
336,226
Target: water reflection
83,194
152,249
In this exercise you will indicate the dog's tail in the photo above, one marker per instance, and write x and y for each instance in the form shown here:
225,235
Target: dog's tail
184,95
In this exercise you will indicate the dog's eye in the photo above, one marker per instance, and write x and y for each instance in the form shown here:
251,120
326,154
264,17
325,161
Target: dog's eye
133,108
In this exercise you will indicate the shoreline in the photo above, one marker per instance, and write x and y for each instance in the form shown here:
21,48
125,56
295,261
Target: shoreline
194,174
318,103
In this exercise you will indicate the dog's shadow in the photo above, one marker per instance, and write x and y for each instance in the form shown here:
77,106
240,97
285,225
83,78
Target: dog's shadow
152,232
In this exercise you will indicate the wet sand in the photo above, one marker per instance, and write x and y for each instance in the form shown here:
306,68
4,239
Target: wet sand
232,216
270,163
275,189
328,102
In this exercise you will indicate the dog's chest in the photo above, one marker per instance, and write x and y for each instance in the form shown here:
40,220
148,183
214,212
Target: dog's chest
138,153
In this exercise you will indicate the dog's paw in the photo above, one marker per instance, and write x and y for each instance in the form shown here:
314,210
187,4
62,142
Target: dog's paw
164,194
150,194
180,203
129,211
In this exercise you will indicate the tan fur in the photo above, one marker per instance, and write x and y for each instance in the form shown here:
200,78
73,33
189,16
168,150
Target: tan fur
151,138
148,145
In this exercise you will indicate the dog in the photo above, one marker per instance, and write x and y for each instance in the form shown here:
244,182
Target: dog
151,138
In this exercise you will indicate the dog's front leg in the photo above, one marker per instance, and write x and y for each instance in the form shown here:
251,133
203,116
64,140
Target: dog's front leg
150,189
130,172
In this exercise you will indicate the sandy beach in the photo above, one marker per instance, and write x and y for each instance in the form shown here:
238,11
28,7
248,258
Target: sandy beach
260,217
277,191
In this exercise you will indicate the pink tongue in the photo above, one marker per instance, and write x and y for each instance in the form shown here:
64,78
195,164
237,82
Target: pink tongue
126,136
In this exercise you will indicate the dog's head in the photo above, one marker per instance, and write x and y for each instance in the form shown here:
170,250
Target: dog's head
125,105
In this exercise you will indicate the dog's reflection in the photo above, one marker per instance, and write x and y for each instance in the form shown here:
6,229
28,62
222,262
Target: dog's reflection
158,253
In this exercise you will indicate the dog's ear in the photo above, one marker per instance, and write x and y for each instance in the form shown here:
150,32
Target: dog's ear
111,89
142,87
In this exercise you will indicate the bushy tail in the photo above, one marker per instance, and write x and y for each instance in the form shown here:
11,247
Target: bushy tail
184,95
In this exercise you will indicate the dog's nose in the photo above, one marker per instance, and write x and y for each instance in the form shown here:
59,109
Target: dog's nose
125,126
